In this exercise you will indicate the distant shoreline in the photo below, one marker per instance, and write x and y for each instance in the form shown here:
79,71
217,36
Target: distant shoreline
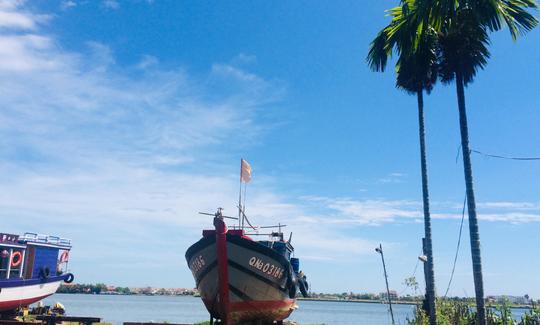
361,301
366,301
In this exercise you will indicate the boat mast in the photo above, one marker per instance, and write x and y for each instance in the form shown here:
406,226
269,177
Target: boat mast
240,218
245,177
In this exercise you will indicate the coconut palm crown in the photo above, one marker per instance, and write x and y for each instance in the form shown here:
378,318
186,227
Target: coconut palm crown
416,67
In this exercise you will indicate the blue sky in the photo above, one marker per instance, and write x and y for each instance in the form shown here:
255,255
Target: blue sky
120,120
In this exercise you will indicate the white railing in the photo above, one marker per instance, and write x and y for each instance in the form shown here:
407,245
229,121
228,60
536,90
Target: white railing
45,239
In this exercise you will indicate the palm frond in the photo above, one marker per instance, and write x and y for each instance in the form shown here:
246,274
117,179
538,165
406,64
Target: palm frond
463,48
378,54
414,41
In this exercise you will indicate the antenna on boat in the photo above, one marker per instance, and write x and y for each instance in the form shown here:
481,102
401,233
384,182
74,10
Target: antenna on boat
280,225
290,238
218,214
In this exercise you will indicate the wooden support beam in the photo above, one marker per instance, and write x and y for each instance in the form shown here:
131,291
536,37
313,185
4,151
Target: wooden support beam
54,319
136,323
17,322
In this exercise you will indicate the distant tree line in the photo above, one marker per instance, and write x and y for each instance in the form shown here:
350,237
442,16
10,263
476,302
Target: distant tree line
97,288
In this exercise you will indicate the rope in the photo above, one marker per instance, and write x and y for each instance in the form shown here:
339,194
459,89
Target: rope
457,248
247,220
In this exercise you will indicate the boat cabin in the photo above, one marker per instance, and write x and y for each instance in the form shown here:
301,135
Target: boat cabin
277,243
32,256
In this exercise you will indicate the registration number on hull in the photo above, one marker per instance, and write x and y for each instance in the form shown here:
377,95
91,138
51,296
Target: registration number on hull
197,264
267,268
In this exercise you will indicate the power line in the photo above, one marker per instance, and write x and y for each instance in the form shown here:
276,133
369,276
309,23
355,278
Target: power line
413,274
504,157
495,156
457,248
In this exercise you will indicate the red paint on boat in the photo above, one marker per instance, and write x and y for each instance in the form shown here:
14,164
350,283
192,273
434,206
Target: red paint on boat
234,232
14,304
276,310
258,305
223,266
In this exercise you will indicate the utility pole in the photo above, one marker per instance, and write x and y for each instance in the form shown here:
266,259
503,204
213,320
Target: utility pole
380,251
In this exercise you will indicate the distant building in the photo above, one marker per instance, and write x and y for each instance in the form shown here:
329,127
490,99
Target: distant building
393,295
518,300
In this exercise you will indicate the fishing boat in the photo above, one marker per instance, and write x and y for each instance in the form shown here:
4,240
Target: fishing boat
32,267
242,280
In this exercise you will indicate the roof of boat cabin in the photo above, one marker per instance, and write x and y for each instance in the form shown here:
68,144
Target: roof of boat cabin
16,241
45,240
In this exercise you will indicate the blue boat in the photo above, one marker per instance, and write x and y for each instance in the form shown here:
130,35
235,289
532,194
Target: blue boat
32,267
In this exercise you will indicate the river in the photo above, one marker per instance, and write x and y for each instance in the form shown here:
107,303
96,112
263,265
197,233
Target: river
187,309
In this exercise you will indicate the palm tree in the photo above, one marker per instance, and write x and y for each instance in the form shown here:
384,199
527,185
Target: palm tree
463,28
416,72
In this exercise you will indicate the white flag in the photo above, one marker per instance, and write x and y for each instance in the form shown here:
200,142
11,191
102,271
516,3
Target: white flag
245,171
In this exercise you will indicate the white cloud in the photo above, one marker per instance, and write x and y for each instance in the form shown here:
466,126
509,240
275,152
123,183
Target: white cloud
510,205
382,211
111,4
16,20
12,18
366,211
243,59
67,4
147,61
393,178
101,55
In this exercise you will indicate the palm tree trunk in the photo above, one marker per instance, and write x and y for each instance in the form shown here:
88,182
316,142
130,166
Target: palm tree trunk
471,203
430,278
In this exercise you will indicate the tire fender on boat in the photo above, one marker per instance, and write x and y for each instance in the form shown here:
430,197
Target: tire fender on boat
304,287
69,278
292,284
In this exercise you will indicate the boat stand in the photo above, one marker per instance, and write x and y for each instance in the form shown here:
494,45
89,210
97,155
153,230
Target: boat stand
55,319
216,321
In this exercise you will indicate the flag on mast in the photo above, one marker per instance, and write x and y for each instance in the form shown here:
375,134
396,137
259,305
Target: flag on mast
245,171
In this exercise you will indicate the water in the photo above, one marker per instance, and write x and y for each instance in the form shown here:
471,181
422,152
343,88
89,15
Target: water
187,309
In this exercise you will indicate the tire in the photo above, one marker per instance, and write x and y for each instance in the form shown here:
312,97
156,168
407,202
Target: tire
44,273
303,287
292,284
69,278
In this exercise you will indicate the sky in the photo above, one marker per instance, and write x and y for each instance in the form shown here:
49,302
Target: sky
121,120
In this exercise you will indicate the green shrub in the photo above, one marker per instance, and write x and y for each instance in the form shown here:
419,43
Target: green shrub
459,313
